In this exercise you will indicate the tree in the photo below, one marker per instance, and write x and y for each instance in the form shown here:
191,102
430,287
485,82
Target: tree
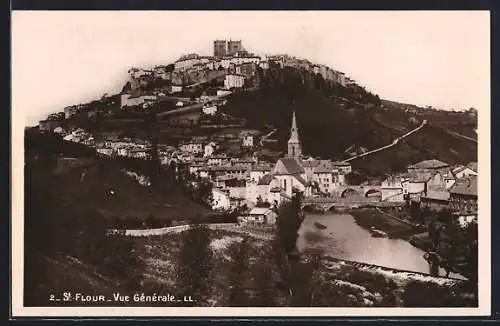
194,263
239,254
288,223
313,259
444,216
416,213
265,286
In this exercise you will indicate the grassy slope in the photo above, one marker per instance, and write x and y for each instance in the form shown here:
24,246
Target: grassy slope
65,274
129,199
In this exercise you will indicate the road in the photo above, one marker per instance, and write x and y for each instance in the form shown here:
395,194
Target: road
266,136
456,134
189,108
186,109
393,143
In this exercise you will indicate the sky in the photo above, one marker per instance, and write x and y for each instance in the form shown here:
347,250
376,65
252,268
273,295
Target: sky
436,58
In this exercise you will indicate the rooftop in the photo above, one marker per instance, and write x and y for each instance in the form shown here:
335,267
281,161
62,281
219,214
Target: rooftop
261,167
438,195
465,186
259,211
292,166
265,180
429,164
472,166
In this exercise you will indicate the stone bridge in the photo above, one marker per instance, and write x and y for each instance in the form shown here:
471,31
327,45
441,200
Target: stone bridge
348,197
363,191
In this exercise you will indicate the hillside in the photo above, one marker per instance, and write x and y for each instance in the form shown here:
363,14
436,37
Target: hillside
103,182
332,120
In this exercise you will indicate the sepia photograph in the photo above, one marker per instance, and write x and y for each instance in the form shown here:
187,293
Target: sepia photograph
260,163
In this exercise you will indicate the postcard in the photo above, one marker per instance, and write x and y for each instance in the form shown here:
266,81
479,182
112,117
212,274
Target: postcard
260,163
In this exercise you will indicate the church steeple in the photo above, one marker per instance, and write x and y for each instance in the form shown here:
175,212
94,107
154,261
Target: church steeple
294,149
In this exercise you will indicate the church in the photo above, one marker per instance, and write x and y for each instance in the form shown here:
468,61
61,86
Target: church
296,173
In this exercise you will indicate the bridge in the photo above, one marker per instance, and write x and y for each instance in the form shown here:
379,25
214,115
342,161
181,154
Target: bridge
363,191
348,197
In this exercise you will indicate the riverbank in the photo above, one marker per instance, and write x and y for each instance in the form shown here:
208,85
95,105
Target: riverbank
337,282
373,219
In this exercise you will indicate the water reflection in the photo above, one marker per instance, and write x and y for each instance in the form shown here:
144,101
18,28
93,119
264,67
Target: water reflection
343,238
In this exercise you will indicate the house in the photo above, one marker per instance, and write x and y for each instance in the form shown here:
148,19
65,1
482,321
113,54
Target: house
105,151
209,149
223,92
247,141
49,125
209,109
324,179
260,215
194,168
392,189
259,190
237,188
436,200
174,89
220,199
462,171
70,111
428,166
186,62
192,147
127,100
258,171
234,81
343,167
247,69
463,199
218,160
247,163
59,130
415,185
264,64
472,166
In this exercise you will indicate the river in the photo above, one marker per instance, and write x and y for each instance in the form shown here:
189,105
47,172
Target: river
344,239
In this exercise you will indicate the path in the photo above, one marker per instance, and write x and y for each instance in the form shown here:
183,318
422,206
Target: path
264,138
234,227
456,134
394,143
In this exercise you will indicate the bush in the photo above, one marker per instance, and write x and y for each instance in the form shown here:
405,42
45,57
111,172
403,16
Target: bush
428,294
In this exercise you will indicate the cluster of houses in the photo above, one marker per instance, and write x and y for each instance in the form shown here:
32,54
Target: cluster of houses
114,146
230,64
436,185
258,184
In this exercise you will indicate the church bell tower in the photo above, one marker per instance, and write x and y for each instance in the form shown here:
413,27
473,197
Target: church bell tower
294,149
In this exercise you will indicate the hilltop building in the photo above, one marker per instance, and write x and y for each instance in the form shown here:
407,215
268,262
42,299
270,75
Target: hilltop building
234,47
224,48
220,48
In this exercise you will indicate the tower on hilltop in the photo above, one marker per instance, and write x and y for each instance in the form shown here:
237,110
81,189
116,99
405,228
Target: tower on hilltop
220,48
294,149
234,47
